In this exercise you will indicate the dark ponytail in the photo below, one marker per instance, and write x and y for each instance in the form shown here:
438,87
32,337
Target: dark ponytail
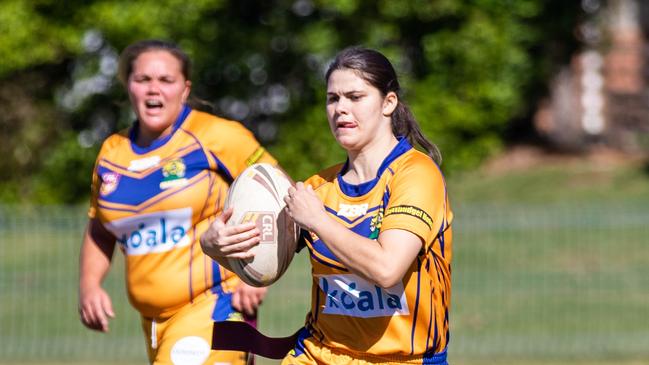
377,70
404,124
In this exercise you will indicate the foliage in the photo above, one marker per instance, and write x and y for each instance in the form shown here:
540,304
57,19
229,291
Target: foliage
468,68
68,161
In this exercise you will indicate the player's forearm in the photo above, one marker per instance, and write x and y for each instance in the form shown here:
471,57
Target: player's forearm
96,255
363,256
93,269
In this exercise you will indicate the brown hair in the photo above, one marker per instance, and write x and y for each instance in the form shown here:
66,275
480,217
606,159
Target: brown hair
130,53
377,70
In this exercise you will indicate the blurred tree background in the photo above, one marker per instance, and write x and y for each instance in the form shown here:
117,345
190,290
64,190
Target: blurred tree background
472,71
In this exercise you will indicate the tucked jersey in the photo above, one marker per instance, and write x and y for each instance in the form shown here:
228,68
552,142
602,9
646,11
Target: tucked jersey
410,319
157,201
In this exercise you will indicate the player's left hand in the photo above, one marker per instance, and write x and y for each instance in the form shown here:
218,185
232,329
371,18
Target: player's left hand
304,206
247,299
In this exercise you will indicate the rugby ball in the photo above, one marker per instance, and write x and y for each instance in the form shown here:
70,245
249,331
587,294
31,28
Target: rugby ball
257,195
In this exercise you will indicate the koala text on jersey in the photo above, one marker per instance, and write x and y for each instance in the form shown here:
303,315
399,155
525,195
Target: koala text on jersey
353,296
153,232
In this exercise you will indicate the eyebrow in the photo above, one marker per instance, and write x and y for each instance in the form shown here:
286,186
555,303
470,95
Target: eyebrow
345,92
145,74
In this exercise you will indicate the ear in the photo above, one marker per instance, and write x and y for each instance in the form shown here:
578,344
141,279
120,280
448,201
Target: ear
188,89
390,103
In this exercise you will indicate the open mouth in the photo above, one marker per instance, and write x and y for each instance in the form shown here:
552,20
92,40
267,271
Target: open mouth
153,104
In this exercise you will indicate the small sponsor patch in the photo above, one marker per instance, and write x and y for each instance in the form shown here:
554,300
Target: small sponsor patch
265,222
235,316
109,182
255,156
352,210
143,163
412,211
190,350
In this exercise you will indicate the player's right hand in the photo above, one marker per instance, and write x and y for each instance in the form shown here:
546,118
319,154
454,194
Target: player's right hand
233,241
95,308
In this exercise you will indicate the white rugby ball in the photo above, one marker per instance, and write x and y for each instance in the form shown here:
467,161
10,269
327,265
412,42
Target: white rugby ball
257,195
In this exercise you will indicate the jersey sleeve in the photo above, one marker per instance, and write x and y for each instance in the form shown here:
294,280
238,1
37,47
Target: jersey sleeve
95,185
94,193
417,201
238,148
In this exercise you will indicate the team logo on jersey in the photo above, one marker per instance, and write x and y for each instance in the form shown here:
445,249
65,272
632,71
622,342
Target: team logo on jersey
411,211
109,182
153,232
353,296
143,163
375,224
265,222
174,174
352,210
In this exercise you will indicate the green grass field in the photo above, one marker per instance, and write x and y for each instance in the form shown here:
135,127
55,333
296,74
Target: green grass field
550,267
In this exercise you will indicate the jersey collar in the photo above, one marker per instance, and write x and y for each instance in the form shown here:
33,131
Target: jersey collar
352,190
132,135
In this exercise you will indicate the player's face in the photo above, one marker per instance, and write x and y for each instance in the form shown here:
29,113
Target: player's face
357,112
158,90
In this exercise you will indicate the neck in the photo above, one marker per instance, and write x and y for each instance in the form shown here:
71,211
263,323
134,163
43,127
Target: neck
364,164
145,137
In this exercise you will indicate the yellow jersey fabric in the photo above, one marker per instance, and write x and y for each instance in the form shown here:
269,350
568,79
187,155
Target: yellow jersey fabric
158,200
407,323
185,337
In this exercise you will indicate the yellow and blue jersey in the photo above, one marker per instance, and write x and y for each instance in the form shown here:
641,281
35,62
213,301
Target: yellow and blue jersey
158,200
409,321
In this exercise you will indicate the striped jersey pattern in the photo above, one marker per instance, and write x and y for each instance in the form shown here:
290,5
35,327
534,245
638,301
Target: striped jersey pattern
409,320
158,200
